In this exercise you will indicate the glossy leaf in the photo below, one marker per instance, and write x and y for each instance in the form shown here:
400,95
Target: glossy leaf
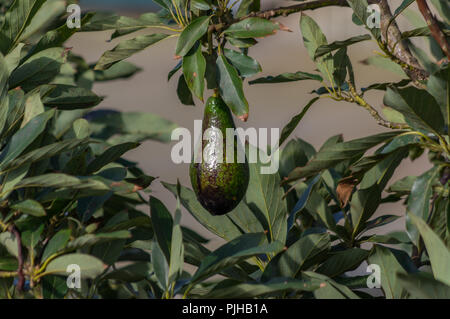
193,32
332,155
231,88
410,101
324,49
30,207
245,65
238,249
127,48
194,67
252,28
437,250
90,267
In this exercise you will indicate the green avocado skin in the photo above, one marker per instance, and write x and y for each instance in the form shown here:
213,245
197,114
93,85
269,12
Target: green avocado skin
219,186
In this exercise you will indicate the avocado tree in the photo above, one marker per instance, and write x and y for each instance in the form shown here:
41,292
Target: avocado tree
69,198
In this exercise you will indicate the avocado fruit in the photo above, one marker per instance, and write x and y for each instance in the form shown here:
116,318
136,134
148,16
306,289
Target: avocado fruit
218,185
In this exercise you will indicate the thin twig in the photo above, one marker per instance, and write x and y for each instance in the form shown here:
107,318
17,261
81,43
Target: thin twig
436,32
356,98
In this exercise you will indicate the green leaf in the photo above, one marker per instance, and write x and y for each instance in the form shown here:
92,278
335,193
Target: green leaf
57,37
67,97
8,264
327,48
57,180
248,6
382,172
162,225
17,18
90,267
31,233
246,219
341,62
329,289
437,250
122,25
236,289
245,65
12,60
131,273
120,70
176,249
239,249
110,155
101,238
136,125
9,241
313,38
54,287
160,265
222,226
443,9
363,205
265,197
410,101
403,186
231,88
193,32
183,92
30,207
360,11
438,86
296,153
386,64
252,28
194,67
56,243
419,201
343,261
24,137
292,261
43,153
423,286
127,48
334,154
242,43
39,69
201,4
389,267
293,123
288,77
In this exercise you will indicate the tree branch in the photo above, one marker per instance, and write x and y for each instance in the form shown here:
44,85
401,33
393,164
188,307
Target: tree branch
398,48
356,98
285,11
436,32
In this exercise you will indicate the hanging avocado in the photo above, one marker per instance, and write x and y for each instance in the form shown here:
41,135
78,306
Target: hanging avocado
219,185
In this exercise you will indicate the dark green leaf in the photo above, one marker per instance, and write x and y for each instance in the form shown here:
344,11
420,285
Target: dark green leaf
231,89
288,77
127,48
193,32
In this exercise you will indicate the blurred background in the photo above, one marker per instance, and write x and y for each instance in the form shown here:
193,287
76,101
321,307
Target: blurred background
270,105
